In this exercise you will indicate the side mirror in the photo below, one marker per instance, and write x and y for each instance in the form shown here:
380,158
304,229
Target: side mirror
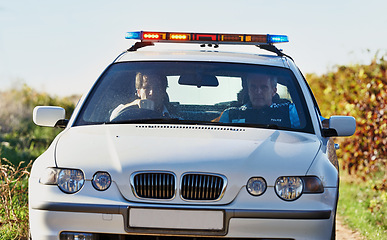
339,126
49,116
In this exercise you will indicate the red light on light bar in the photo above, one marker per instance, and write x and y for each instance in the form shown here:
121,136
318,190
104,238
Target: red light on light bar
205,37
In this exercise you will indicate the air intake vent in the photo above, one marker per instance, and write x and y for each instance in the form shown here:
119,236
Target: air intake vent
190,127
154,185
202,187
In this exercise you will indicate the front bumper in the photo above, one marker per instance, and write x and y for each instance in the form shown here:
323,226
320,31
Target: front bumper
89,211
107,213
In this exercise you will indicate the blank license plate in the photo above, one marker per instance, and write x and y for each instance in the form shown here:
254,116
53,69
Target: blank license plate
176,219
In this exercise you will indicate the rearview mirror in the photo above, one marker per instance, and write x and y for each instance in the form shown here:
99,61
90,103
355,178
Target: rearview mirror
199,80
340,126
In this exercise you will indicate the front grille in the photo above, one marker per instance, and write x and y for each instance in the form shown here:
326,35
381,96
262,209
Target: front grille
155,185
202,187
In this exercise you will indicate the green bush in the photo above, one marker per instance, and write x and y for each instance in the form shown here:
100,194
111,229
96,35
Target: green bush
21,139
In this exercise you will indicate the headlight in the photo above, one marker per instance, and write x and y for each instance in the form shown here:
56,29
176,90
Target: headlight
70,180
101,181
289,188
256,186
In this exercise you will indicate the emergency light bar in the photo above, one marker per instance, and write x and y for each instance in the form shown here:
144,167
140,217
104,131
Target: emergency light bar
207,38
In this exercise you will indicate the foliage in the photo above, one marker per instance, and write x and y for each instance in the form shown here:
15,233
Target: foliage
13,195
21,139
358,91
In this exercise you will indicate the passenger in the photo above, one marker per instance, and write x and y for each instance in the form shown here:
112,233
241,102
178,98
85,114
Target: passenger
152,93
260,108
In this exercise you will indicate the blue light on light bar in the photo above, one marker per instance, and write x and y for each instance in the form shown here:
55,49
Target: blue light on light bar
133,35
277,38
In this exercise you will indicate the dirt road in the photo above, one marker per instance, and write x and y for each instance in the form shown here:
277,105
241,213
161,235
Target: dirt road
344,233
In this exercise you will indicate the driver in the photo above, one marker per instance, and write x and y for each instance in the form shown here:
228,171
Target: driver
152,95
260,108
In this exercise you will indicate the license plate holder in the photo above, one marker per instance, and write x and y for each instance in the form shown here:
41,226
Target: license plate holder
182,219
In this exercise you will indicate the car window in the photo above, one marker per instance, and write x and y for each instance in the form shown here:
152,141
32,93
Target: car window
196,92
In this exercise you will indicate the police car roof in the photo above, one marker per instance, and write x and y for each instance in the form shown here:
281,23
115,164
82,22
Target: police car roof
206,56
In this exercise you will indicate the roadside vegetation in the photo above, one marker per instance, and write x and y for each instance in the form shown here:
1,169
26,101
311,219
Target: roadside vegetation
363,206
357,90
14,200
20,143
360,91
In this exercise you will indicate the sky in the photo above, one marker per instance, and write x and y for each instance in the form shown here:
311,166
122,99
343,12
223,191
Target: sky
61,47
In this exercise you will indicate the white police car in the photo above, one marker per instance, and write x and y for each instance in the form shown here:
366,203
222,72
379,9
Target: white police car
190,145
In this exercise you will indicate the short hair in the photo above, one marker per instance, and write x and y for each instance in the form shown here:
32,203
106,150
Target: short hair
142,79
272,78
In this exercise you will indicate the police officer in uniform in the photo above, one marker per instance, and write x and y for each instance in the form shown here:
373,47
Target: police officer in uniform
260,108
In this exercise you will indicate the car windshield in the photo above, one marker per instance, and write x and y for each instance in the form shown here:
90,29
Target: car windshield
197,93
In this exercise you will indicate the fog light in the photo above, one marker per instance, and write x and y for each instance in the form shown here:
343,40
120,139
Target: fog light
78,236
256,186
101,181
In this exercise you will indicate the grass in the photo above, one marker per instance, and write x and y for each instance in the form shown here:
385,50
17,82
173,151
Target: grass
26,143
14,200
363,207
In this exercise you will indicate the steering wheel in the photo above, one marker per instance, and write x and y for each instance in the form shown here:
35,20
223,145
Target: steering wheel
134,112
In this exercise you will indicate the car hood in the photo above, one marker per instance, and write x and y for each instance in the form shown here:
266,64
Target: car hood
236,153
